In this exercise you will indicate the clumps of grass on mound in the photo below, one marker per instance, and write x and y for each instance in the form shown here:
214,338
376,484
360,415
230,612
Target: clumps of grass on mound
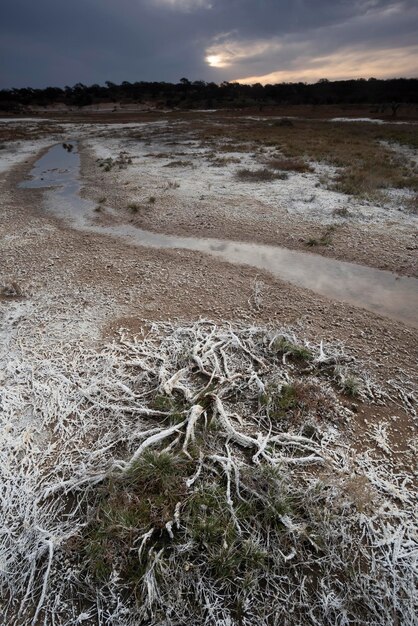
237,535
296,403
196,477
260,175
141,500
292,349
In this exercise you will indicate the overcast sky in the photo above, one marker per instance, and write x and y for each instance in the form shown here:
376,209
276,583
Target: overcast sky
62,42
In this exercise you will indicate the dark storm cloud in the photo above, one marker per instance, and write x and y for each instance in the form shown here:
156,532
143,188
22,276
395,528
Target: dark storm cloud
60,42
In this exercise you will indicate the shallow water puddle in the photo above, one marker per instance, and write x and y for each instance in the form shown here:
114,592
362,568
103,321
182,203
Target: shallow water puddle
372,289
58,166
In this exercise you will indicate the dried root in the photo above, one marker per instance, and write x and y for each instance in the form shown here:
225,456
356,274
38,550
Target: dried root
197,476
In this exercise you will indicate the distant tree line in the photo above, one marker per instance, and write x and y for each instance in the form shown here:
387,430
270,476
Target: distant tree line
198,94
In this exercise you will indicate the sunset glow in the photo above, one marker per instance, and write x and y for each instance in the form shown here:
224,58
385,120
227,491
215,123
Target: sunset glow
343,65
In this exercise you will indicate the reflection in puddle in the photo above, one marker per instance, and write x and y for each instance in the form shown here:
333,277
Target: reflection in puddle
375,290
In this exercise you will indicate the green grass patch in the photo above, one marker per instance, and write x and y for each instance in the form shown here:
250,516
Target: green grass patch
292,350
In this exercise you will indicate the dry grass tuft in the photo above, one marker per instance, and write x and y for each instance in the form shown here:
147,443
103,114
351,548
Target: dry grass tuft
366,165
290,165
341,212
218,161
259,176
324,240
179,163
283,123
11,290
134,207
412,204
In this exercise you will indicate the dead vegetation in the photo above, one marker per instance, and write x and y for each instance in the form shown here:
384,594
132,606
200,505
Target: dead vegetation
388,171
199,478
121,162
366,166
341,212
179,163
325,239
290,165
222,161
260,175
172,184
11,290
16,132
412,204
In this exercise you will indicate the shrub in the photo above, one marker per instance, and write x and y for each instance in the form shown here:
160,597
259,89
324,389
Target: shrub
217,161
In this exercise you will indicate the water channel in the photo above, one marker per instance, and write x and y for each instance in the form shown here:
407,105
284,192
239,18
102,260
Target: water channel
376,290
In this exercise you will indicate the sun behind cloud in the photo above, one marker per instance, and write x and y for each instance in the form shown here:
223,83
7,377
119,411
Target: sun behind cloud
377,41
226,52
215,60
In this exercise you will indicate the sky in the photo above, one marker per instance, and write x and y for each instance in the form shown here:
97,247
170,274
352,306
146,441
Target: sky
63,42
